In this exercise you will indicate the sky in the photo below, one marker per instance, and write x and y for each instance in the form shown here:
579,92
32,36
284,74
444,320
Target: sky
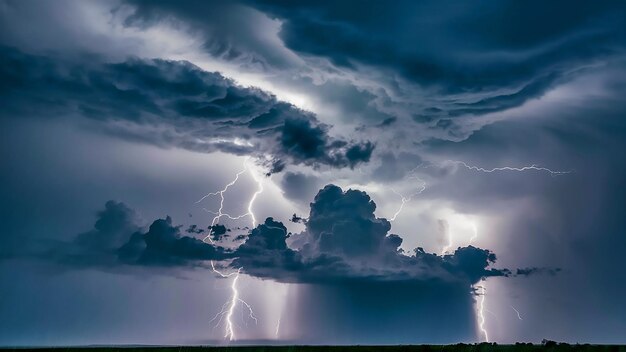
319,172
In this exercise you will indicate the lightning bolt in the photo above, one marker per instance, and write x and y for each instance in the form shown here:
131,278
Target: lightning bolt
228,309
481,311
227,314
405,199
533,167
277,327
220,212
482,291
518,315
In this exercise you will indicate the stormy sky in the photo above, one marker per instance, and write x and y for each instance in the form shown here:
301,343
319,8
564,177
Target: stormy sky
320,172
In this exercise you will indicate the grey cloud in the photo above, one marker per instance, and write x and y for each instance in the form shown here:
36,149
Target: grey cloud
297,219
534,270
218,232
118,239
111,229
166,247
298,186
98,247
345,241
304,141
557,38
173,103
456,60
230,31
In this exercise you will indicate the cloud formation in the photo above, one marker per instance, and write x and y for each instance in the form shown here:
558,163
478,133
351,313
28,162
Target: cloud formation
430,66
344,240
173,104
118,239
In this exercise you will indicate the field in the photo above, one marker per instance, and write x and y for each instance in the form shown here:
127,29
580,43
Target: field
483,347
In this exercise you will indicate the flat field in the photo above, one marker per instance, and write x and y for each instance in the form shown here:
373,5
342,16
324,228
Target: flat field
483,347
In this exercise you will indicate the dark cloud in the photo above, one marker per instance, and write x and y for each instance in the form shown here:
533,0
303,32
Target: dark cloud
98,247
218,232
111,229
474,50
304,141
344,240
166,247
532,271
194,229
172,103
297,219
118,239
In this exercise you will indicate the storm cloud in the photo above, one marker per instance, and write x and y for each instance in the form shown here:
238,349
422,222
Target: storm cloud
421,118
118,240
173,104
345,241
468,60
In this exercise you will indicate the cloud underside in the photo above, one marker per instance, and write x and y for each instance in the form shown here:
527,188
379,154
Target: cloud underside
172,104
427,62
343,242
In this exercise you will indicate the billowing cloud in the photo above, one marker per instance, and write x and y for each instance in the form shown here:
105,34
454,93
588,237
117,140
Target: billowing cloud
118,239
98,247
344,240
164,246
430,66
173,104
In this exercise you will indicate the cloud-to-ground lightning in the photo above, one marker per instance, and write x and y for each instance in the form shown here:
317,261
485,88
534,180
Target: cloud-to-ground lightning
227,314
228,309
277,327
519,316
482,291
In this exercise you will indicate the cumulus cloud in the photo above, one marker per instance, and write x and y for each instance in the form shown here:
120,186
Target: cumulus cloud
98,247
173,104
344,240
118,238
164,246
111,229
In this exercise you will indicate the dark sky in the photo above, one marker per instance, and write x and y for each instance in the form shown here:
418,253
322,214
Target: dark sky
391,172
